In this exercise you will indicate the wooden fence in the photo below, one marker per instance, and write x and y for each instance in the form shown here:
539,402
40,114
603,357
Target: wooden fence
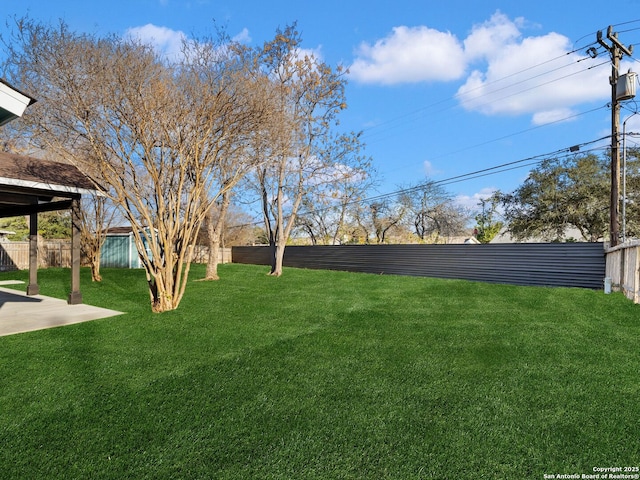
201,254
623,269
15,255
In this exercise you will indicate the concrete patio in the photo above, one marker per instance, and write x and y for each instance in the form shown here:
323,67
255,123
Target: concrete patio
21,313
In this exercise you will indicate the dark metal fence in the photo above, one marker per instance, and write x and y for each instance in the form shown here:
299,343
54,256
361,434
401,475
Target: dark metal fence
542,264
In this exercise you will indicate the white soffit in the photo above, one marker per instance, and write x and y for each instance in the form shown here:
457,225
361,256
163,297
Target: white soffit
12,103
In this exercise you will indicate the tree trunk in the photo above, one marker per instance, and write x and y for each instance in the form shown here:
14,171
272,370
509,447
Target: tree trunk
167,288
214,249
95,269
92,246
166,270
214,233
276,266
160,301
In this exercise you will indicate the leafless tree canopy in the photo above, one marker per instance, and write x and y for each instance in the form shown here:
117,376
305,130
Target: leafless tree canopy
304,152
432,214
163,138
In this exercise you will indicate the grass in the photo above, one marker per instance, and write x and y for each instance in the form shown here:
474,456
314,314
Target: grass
323,375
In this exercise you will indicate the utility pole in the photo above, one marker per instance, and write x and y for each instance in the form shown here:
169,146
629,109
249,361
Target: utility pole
617,50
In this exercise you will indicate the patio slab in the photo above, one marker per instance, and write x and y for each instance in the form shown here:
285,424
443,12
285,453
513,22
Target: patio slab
21,313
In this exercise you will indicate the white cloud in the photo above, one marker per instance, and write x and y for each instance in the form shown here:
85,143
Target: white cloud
506,72
429,169
488,38
243,37
552,116
165,40
410,55
536,75
471,201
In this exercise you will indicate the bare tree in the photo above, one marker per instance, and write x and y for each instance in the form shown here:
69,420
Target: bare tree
236,228
326,206
375,221
385,216
96,215
157,131
302,150
215,225
432,212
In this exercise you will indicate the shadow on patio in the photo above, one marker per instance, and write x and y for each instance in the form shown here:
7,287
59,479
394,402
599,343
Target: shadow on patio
22,313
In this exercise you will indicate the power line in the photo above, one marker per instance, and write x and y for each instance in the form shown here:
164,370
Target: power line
637,20
485,85
520,92
494,170
521,132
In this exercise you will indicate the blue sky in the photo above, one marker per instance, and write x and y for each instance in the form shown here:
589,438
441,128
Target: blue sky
439,89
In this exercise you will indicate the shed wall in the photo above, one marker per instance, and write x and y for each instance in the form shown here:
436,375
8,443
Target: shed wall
119,251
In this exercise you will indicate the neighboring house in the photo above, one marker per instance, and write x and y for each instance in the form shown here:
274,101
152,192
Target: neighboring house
504,236
4,234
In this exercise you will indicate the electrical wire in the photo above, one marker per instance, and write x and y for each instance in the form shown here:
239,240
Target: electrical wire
494,170
529,161
514,134
367,137
366,131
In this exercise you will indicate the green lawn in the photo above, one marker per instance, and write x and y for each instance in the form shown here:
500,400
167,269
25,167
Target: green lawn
326,375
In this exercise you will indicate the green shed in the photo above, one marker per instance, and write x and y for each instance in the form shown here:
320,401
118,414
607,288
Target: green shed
119,249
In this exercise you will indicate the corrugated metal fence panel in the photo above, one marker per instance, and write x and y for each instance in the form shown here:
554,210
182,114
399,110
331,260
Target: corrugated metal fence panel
251,255
543,264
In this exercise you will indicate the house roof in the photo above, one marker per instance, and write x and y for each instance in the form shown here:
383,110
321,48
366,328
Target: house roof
119,230
29,185
18,170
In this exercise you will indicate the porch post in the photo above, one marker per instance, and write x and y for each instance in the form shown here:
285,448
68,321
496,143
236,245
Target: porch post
32,288
75,296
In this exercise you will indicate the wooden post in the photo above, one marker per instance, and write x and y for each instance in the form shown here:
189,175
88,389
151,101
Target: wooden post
617,50
75,297
33,288
614,209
